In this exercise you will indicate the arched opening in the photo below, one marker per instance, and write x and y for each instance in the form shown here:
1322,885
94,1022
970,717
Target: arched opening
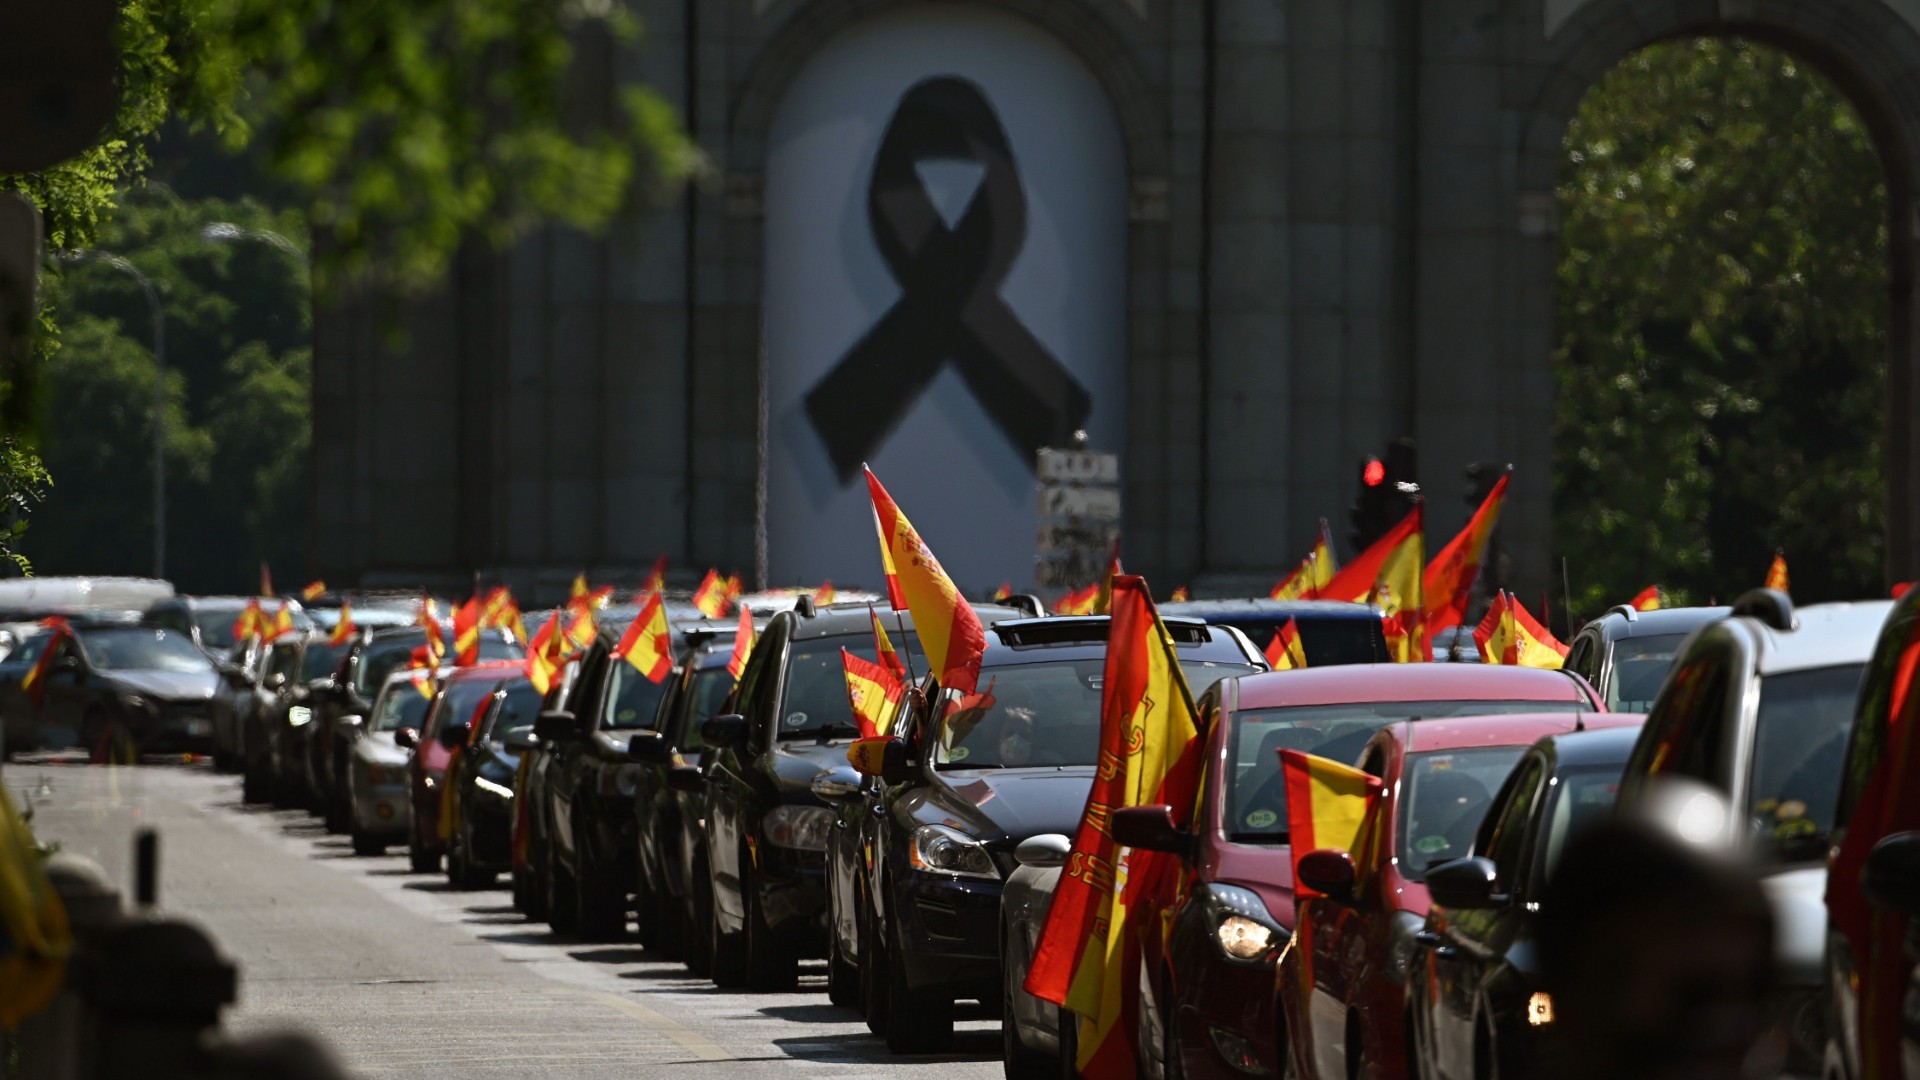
1722,324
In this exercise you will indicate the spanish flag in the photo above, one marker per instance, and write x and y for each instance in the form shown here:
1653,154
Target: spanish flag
579,591
1298,585
429,620
742,644
279,626
734,587
1390,573
501,610
1078,602
1449,579
266,581
1090,951
582,627
1328,806
873,692
314,591
1511,635
39,939
1284,652
544,656
1180,595
251,623
1103,599
883,647
824,594
422,680
896,598
1647,599
35,681
1004,592
1324,563
657,580
1777,572
711,596
648,642
951,636
343,630
466,632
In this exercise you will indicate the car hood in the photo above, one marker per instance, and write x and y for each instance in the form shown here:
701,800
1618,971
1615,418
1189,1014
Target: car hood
795,764
1799,899
1006,805
167,685
1267,871
378,748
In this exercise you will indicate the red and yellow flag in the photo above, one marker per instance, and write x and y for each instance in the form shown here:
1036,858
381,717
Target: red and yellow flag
1325,565
1511,635
343,630
1328,806
266,581
579,591
429,619
466,632
874,692
1090,951
582,626
824,595
421,679
1284,652
657,579
544,654
277,627
734,588
1103,598
1647,599
1390,573
1777,572
1078,602
35,681
1448,583
648,642
1180,595
251,623
1299,584
883,647
896,597
315,590
951,636
711,596
1004,592
742,644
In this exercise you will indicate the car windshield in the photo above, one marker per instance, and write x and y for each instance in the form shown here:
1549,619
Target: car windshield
1581,797
1042,714
1256,807
320,660
216,626
142,648
632,698
709,689
402,705
1640,665
519,710
1799,750
286,656
392,653
461,701
816,702
1443,796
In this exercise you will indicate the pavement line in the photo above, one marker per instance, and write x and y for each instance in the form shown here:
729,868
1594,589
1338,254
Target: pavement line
692,1041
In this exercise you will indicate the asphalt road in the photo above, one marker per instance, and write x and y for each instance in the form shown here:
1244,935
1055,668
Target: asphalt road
402,975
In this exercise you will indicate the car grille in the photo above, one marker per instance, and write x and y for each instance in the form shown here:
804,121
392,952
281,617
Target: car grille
188,708
940,920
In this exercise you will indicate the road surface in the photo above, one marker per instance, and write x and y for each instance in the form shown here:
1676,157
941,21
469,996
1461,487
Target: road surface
403,976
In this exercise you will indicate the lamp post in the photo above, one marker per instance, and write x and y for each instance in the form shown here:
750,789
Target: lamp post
159,395
226,232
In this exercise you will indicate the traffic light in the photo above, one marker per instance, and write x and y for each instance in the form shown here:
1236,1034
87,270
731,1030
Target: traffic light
1387,493
1481,476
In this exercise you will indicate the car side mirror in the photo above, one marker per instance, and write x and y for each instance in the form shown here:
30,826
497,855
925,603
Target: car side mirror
687,778
1464,884
650,747
352,721
406,738
454,736
1891,878
1328,872
556,725
275,681
1046,851
724,731
1151,828
520,740
881,756
840,784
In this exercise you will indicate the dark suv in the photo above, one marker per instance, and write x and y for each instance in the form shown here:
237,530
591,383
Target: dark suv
1331,631
916,861
1625,654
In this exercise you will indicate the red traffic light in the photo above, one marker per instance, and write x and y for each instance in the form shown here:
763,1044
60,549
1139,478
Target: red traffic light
1374,474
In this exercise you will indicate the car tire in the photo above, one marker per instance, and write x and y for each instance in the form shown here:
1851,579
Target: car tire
918,1021
772,965
843,978
728,964
657,920
602,900
1020,1061
367,845
873,973
108,741
420,858
563,906
698,919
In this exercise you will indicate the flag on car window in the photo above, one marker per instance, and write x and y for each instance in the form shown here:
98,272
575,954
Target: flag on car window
343,630
1390,572
873,692
883,647
1328,807
656,580
466,632
951,636
711,596
35,682
544,654
742,644
314,591
648,642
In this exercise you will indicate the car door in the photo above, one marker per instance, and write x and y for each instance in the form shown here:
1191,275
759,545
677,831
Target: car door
1583,659
730,788
71,687
1337,933
571,765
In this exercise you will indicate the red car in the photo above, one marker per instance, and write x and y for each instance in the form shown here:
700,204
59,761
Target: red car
1345,1011
1209,1007
462,692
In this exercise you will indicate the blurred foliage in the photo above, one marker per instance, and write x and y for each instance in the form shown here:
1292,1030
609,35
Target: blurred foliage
23,483
1722,301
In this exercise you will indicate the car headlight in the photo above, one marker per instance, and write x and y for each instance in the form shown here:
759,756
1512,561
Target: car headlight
621,780
298,714
1401,932
1242,928
937,849
499,791
803,828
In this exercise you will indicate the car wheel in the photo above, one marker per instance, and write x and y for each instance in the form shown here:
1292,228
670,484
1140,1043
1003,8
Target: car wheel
771,962
729,961
657,919
535,872
918,1021
367,845
108,741
253,784
873,973
697,917
420,858
1020,1061
563,907
843,978
602,900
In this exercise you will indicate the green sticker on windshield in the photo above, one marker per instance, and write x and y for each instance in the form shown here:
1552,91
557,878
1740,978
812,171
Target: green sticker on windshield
1431,845
1261,819
625,715
959,753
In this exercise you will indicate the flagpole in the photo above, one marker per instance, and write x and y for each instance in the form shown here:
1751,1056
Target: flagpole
1566,594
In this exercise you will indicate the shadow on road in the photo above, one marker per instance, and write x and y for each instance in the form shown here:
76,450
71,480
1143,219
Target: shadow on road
865,1049
614,956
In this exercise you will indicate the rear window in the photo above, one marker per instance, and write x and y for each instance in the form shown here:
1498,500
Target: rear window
632,698
1640,665
1799,751
1326,642
1443,796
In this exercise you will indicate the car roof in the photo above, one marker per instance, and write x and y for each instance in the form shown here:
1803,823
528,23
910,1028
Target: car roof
1406,682
1823,635
490,669
1209,610
1624,622
1510,729
833,620
1578,749
1084,637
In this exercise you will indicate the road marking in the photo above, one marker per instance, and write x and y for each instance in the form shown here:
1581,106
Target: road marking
692,1041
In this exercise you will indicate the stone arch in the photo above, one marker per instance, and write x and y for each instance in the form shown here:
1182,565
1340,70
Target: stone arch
1869,51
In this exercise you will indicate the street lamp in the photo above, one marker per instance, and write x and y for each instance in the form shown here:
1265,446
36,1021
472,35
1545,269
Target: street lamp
159,395
226,232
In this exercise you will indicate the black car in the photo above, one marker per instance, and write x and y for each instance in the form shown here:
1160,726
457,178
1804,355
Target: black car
480,779
1474,1009
287,722
787,721
1625,654
272,675
120,690
1331,632
672,902
916,861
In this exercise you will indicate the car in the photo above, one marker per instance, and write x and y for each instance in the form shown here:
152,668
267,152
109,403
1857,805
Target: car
208,621
1037,1038
1474,1002
1873,881
272,675
125,691
787,721
1207,1008
286,722
1456,645
1331,632
1625,654
916,860
1758,708
382,812
459,700
1346,1012
671,902
479,784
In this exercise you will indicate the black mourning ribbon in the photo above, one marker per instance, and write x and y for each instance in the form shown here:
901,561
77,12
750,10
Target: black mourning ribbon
950,306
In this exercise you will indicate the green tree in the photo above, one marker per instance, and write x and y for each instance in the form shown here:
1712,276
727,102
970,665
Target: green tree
1722,306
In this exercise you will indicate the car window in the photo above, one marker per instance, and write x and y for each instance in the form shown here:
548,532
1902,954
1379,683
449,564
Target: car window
1256,804
519,708
216,627
457,704
1799,750
704,698
1687,724
1581,797
285,660
401,705
29,650
1640,666
1506,842
632,700
1580,658
320,660
142,648
1443,796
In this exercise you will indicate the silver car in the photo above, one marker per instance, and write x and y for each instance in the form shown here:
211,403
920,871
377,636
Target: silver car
377,767
1036,1037
1758,707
